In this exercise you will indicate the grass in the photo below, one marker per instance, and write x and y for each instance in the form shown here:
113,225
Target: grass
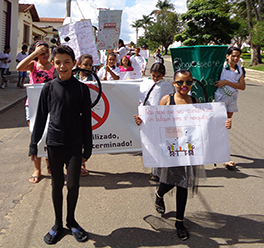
259,67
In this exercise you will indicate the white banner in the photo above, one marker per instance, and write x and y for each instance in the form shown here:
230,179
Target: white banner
114,128
180,135
80,37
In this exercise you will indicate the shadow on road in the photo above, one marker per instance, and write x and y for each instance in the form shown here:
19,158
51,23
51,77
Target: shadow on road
205,228
116,180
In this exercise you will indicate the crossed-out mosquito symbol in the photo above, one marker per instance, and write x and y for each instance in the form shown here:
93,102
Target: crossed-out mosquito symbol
100,120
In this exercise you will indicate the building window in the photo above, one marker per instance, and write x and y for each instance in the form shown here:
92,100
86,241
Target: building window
26,35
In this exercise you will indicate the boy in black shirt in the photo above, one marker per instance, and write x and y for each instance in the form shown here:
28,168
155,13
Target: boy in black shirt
68,102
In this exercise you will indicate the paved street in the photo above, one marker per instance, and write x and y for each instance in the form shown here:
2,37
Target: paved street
116,202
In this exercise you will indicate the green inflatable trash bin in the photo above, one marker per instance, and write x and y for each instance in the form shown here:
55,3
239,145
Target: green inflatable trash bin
209,63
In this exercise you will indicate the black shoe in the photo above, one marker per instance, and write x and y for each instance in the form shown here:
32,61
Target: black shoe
182,232
78,233
52,237
159,204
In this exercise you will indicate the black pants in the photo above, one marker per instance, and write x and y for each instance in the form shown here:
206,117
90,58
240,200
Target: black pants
72,157
181,198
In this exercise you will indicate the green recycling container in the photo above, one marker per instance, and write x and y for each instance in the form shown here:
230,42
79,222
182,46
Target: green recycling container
209,63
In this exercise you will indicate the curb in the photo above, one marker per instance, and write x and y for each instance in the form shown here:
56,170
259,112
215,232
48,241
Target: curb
12,104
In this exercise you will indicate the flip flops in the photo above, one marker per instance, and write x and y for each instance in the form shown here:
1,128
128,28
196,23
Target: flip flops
84,172
33,179
52,237
230,165
78,233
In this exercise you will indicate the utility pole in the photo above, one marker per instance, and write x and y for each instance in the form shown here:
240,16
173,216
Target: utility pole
68,8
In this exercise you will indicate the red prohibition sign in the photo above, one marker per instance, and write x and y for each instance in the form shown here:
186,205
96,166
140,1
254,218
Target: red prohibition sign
100,120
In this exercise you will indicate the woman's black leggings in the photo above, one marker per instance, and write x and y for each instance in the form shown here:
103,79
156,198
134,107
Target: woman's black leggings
72,157
181,198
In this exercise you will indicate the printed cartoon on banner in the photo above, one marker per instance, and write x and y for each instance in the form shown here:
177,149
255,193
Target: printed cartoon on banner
80,37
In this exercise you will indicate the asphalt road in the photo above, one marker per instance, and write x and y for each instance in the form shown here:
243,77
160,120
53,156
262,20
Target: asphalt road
116,203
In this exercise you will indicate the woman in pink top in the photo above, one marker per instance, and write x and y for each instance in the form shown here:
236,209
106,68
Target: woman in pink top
125,64
41,71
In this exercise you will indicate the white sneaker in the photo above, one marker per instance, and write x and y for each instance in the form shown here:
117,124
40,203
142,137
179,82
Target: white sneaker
2,86
6,83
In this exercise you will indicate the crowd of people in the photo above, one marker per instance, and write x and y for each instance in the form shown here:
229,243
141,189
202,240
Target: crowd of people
69,137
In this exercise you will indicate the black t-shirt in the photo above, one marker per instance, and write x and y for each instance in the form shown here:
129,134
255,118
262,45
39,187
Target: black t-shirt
69,105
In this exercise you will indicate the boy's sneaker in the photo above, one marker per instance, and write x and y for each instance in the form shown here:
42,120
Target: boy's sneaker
6,83
2,86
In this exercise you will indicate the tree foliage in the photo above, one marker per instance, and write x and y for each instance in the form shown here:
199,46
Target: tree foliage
207,20
163,30
162,5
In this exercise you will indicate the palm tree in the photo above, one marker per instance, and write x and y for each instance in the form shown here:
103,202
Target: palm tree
145,21
161,5
136,24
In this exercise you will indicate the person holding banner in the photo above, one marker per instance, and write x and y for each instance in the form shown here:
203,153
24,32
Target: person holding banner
69,138
182,176
110,71
156,91
41,71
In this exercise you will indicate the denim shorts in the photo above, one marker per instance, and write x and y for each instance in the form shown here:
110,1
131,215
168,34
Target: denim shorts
22,74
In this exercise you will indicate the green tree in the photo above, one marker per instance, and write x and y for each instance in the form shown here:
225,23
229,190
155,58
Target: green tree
163,30
255,14
239,13
207,20
162,5
145,21
136,24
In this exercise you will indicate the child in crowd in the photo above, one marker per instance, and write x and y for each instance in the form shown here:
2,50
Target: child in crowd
69,104
125,64
146,56
177,176
231,80
22,74
122,49
85,62
154,93
110,71
5,60
158,57
138,62
41,71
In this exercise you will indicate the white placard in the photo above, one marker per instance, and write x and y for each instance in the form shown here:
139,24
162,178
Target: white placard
109,29
180,135
81,39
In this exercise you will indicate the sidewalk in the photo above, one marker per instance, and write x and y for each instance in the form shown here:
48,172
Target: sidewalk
12,94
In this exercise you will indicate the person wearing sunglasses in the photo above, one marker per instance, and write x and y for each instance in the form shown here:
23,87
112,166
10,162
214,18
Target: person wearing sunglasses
182,176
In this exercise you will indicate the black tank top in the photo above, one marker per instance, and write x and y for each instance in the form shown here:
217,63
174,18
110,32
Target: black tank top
172,102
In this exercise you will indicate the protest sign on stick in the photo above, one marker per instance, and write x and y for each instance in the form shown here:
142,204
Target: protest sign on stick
180,135
109,29
80,37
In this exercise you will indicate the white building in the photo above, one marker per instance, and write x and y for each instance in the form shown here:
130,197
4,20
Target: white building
9,27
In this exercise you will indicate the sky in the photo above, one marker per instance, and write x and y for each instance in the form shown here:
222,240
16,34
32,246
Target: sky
87,9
